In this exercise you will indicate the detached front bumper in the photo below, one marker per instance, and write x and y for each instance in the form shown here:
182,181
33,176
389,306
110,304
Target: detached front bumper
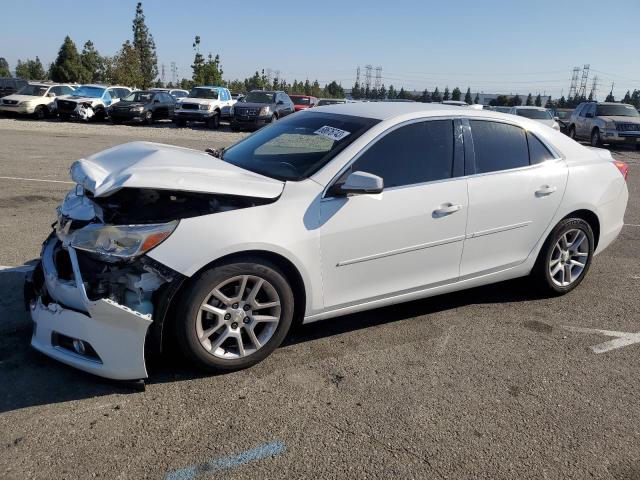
98,336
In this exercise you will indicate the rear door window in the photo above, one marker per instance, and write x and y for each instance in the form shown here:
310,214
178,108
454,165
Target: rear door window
498,146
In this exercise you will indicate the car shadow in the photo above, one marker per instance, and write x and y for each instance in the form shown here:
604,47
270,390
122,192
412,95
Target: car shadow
31,379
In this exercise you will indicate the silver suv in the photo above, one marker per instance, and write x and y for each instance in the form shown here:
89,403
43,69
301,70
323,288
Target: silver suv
605,123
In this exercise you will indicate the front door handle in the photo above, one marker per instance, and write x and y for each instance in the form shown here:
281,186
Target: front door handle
545,190
446,209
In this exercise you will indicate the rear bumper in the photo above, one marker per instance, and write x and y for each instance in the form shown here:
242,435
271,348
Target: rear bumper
611,216
61,309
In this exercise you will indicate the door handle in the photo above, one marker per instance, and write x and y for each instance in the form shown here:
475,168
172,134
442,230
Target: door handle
446,209
545,190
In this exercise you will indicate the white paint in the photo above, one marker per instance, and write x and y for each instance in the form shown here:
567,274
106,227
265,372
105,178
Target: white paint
622,339
34,180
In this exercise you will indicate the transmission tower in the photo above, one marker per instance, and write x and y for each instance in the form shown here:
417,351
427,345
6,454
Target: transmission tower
574,82
174,73
367,76
594,88
163,75
378,83
358,75
583,82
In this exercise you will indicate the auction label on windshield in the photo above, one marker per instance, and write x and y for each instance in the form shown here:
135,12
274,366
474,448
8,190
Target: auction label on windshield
332,133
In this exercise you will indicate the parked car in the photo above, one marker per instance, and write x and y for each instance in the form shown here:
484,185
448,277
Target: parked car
455,103
35,98
563,115
330,101
326,212
89,102
143,106
302,102
259,108
538,114
502,109
204,104
176,93
9,85
605,122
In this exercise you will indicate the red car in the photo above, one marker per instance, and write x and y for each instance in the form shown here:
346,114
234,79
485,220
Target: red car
302,102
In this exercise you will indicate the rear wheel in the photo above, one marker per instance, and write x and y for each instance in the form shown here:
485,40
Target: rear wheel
572,132
565,258
595,138
40,112
235,315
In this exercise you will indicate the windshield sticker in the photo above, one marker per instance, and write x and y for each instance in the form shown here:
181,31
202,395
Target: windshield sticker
332,133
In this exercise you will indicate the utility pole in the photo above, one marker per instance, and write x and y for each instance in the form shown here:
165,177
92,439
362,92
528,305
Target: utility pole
358,75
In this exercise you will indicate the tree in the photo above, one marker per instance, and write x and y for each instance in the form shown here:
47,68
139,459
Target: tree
67,66
30,69
436,96
198,63
145,48
334,90
515,101
538,102
4,68
477,99
562,102
446,95
126,66
610,97
425,97
355,91
529,101
456,94
467,96
627,97
549,103
211,71
92,64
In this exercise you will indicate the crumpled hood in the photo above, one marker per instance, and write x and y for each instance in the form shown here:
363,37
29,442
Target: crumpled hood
620,119
165,167
72,98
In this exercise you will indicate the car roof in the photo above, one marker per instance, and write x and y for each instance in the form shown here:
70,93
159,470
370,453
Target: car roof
529,107
386,110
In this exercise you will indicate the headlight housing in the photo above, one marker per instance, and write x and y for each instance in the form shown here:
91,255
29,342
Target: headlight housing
231,110
137,109
264,111
610,125
177,106
205,107
121,242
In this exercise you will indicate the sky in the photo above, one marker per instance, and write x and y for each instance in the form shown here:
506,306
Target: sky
492,46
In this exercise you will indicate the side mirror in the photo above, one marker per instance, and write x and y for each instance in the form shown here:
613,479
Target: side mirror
51,95
358,183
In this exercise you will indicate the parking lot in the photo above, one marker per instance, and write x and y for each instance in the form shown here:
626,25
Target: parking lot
490,383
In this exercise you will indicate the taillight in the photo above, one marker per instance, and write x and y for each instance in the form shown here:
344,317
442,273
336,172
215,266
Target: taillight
623,167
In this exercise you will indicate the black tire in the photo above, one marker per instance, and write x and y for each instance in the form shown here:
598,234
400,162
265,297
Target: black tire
541,274
41,112
179,122
572,132
188,308
595,138
214,122
99,115
235,128
274,118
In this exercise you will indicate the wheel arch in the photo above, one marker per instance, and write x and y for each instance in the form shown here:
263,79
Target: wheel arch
591,218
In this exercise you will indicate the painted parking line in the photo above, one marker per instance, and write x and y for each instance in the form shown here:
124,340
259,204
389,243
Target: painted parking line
631,225
622,339
225,463
35,180
21,268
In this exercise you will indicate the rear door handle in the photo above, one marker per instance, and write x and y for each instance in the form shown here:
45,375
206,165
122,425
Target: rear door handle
545,190
446,209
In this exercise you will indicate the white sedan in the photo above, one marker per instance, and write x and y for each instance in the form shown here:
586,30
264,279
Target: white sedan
539,114
329,211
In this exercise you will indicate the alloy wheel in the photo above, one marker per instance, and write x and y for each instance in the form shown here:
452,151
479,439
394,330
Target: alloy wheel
569,257
238,317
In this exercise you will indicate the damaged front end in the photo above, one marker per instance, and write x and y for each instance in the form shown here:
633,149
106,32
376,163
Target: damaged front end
95,294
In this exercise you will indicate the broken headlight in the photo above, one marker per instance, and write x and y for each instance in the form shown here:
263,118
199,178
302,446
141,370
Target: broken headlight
121,242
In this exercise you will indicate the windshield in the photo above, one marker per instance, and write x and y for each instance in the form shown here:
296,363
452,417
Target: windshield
33,90
563,115
298,145
301,100
203,93
534,114
259,97
91,92
616,111
329,102
503,109
144,97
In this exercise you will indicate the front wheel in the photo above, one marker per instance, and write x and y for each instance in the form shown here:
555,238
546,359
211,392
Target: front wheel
595,138
214,122
179,122
40,112
148,118
235,315
572,132
565,258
